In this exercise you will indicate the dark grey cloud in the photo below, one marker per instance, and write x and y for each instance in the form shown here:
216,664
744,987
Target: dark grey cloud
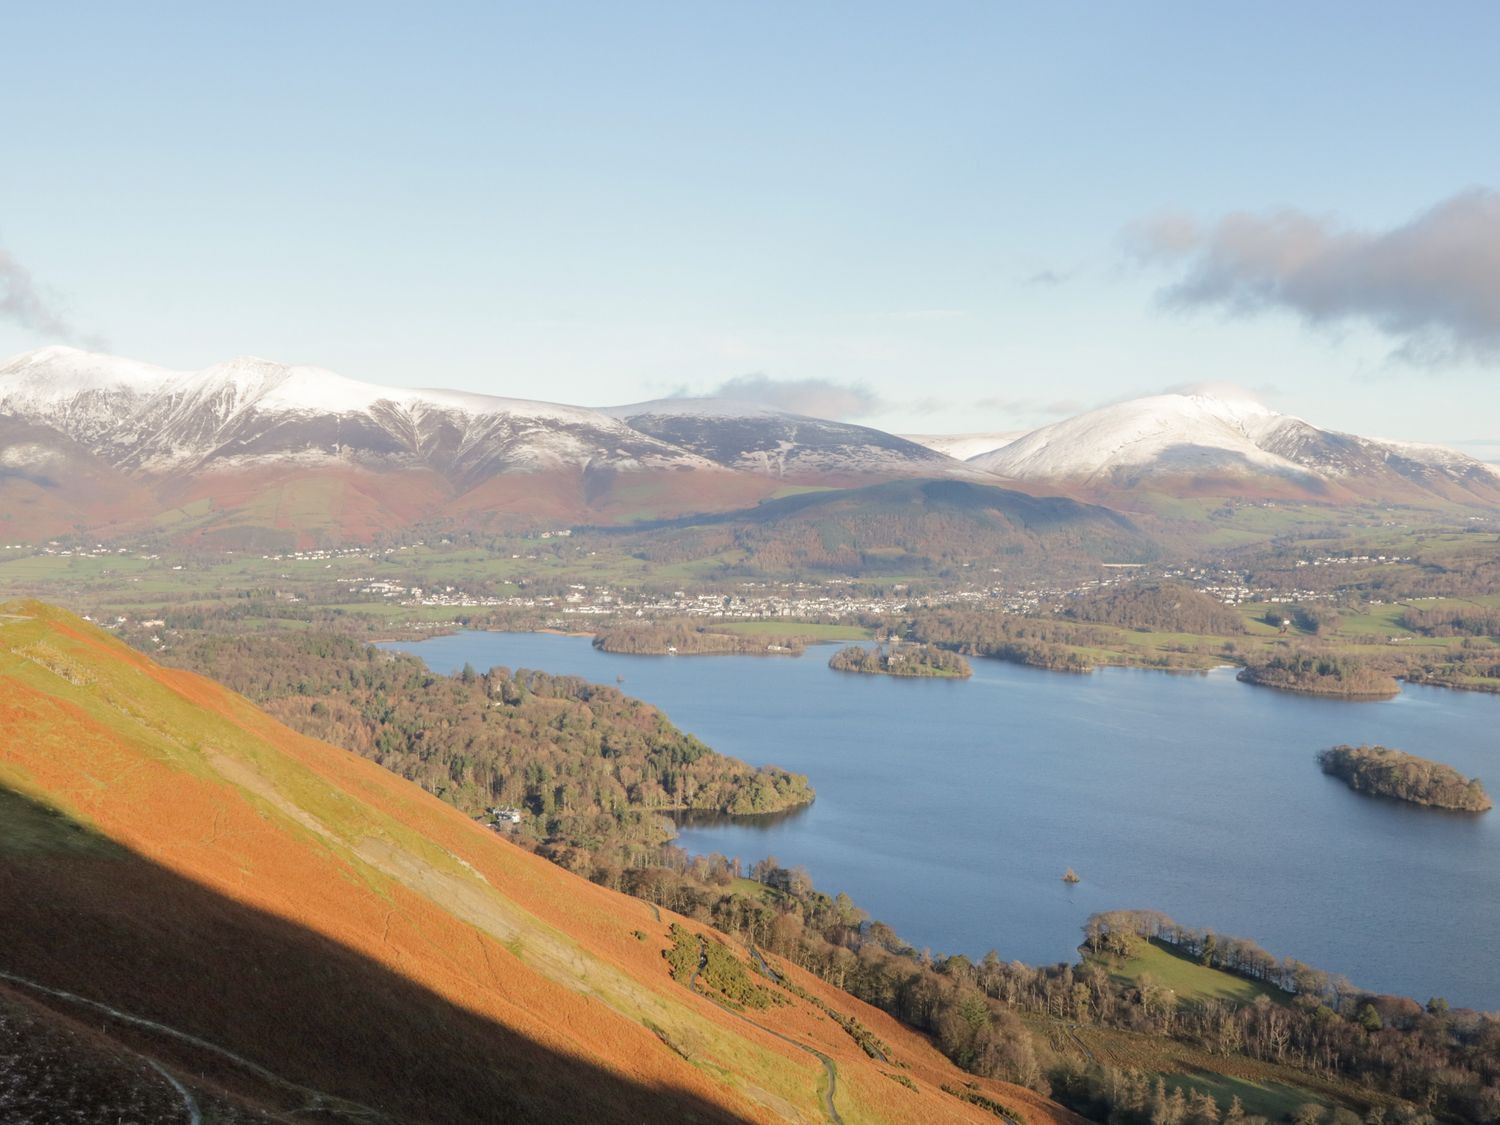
23,303
821,398
1431,284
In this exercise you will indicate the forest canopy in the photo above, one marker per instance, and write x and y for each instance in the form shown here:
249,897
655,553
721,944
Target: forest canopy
586,762
1165,607
901,660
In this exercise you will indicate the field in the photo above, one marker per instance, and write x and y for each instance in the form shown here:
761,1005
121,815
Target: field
782,626
1188,979
1266,1089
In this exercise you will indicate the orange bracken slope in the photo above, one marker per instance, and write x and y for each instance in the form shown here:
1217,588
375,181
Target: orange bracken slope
280,924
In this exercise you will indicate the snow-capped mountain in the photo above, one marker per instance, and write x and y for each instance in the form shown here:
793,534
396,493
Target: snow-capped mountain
251,410
1198,437
760,439
250,443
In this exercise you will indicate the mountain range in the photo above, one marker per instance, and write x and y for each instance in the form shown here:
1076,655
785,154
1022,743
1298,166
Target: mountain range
256,453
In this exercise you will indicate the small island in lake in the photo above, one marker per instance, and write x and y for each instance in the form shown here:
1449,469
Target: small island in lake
684,640
1406,777
905,660
1322,674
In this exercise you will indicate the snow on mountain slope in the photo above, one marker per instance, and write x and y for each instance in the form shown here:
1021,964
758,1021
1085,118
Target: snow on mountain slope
49,376
771,442
251,410
1166,432
80,393
966,447
1197,435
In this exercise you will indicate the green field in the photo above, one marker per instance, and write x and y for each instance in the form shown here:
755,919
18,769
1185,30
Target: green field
1188,979
783,627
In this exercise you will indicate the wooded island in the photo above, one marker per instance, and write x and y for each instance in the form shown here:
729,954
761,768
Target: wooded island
1392,773
905,660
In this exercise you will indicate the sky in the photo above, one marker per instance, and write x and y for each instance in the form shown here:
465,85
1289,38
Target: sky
930,217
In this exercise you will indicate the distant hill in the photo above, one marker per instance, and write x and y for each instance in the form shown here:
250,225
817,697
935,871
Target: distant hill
202,911
1196,444
760,439
906,526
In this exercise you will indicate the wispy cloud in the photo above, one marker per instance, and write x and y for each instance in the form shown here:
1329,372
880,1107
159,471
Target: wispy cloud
820,398
1430,284
1048,277
22,302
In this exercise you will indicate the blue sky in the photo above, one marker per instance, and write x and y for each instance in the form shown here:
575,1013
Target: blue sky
927,216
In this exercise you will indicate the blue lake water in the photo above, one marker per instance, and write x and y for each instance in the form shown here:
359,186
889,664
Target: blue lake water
950,809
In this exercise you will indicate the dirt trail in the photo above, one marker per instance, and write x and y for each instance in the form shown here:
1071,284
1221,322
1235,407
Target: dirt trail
829,1066
760,959
189,1103
316,1099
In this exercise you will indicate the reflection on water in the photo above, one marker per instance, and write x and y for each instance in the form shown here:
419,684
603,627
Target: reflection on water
707,818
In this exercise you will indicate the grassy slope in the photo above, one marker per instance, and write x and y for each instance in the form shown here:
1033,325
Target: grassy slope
1188,979
1264,1088
276,895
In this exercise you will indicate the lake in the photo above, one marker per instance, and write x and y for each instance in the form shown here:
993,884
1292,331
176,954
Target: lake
950,809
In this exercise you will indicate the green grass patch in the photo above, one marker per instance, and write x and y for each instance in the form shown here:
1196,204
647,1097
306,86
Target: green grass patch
1275,1101
1187,978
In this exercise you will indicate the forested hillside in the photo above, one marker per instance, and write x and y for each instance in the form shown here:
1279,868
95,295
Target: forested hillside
586,763
1167,607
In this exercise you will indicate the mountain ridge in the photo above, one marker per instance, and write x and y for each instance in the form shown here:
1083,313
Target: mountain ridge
1149,441
258,454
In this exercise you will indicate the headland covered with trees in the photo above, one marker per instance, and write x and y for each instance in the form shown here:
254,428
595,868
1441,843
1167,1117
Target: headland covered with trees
901,660
683,639
591,769
1384,772
1321,674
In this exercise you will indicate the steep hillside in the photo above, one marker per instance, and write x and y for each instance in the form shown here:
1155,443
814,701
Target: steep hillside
202,910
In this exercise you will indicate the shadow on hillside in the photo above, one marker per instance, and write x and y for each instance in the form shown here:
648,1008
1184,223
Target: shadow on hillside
82,914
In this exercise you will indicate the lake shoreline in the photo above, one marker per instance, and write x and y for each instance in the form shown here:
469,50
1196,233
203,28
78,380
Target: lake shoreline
956,840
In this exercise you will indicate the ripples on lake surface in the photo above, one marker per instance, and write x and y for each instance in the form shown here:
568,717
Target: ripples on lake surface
950,809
